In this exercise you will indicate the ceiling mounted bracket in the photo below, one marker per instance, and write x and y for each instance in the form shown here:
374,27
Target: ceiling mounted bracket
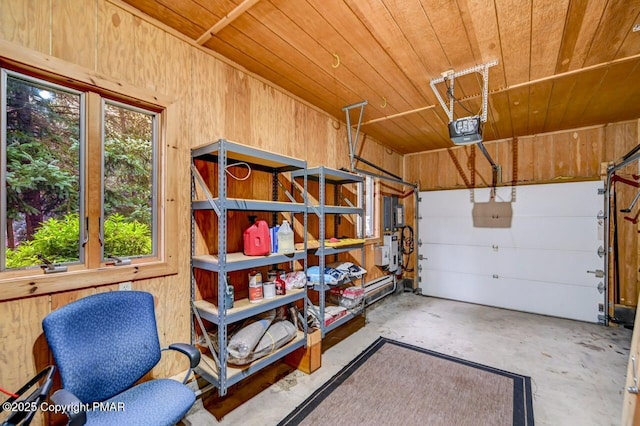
468,130
351,138
452,75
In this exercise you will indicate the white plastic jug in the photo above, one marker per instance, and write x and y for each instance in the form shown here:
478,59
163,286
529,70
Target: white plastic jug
285,239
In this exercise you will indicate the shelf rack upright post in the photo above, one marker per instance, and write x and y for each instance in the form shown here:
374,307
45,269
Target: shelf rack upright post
214,368
328,176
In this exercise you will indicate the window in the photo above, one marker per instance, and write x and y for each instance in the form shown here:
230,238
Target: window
79,182
367,199
128,181
45,166
41,175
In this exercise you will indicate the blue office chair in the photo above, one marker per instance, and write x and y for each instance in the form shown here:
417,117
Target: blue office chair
103,344
22,408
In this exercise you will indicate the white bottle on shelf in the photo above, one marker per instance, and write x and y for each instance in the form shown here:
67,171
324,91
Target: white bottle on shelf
285,239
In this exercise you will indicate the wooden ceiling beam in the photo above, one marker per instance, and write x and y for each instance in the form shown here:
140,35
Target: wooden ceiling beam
227,20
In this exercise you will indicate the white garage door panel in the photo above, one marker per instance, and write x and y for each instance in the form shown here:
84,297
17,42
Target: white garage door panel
477,260
551,199
564,233
558,233
545,298
567,267
442,204
457,203
538,265
460,286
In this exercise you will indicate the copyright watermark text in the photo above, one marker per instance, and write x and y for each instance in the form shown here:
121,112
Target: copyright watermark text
57,408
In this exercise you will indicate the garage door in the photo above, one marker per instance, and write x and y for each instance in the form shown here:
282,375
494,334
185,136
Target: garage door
539,264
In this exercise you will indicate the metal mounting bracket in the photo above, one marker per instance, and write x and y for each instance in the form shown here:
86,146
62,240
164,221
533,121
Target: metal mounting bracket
451,76
119,261
350,137
49,267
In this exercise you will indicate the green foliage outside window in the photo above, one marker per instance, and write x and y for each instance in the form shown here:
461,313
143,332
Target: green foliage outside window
57,241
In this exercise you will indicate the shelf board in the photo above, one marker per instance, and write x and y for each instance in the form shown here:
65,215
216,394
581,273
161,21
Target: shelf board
340,209
251,205
328,251
333,176
242,308
236,373
238,261
256,157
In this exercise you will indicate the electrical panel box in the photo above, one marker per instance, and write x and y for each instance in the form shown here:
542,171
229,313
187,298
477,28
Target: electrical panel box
393,213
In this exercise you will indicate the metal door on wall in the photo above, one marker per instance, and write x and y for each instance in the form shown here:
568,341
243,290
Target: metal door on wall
544,263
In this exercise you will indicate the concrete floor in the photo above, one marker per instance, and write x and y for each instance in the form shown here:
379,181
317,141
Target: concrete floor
577,369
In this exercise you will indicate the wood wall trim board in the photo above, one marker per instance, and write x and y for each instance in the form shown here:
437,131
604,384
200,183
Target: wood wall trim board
37,285
93,179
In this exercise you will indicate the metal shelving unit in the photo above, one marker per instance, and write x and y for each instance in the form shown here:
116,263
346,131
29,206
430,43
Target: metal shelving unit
225,153
327,176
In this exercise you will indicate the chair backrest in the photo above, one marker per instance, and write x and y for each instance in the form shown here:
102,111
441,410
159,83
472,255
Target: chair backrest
103,343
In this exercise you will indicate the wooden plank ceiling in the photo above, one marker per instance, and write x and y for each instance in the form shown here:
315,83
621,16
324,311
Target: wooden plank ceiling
561,63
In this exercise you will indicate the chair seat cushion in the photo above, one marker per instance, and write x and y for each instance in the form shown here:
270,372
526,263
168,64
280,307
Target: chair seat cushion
156,402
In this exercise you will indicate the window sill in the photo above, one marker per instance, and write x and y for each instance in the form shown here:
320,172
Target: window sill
39,284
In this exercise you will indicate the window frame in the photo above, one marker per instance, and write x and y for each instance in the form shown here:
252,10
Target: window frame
18,283
373,198
5,73
154,178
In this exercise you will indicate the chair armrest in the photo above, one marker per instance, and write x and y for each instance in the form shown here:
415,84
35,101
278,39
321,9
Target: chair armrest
73,407
189,350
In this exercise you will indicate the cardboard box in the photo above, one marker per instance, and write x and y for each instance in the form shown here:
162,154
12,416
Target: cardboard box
307,359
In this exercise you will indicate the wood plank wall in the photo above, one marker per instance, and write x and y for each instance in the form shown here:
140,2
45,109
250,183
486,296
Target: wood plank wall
557,157
215,100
